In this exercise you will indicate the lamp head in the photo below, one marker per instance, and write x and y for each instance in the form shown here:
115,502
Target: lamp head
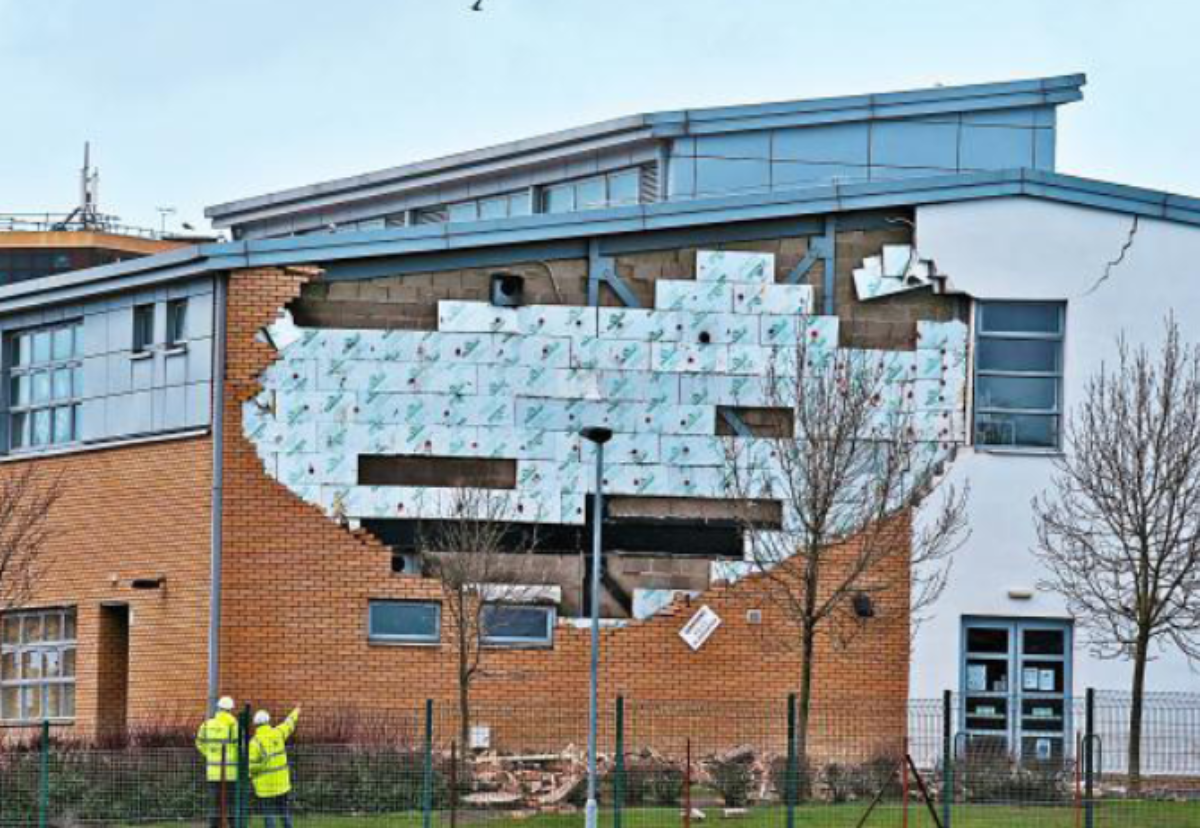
597,434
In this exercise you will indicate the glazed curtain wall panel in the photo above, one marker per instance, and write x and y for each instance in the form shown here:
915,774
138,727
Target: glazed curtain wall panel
519,384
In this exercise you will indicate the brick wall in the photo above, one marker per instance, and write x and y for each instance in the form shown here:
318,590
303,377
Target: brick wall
124,513
297,588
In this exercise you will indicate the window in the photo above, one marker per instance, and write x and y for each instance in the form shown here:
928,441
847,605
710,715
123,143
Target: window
37,665
517,625
1016,685
45,386
1018,373
176,322
609,190
22,265
494,207
405,622
143,328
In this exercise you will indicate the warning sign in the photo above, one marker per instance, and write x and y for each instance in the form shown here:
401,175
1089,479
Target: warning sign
701,626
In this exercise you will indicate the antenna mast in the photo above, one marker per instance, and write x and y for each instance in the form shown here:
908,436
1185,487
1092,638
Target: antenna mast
89,186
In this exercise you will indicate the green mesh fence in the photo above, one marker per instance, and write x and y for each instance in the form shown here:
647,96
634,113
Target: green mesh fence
661,764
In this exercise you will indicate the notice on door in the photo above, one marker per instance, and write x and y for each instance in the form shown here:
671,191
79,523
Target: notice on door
701,626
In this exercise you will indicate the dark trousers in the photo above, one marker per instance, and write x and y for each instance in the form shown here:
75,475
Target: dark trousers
276,806
215,790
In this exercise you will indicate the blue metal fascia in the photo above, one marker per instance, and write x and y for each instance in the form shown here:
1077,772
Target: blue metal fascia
1007,95
688,216
436,261
829,258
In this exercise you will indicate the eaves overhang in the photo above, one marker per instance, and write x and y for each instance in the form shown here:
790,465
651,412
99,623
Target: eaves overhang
331,248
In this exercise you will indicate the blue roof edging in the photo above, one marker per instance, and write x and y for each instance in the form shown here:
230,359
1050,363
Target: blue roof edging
330,247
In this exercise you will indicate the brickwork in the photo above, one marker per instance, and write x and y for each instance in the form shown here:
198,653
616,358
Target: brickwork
297,588
132,512
297,584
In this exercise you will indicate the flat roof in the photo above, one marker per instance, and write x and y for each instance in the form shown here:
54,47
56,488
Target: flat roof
935,101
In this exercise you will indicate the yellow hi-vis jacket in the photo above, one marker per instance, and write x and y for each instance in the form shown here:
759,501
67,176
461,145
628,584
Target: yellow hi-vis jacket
268,758
217,741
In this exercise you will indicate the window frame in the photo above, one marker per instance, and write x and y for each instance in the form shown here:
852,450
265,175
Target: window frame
177,319
605,178
518,642
140,314
18,367
433,640
1016,729
42,683
1054,413
475,205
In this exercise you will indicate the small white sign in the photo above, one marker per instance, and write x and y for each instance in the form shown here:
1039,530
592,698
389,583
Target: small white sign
701,626
481,737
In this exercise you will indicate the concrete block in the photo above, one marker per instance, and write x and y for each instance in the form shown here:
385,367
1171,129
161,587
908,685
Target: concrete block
639,386
697,481
753,360
639,324
559,320
685,358
938,335
693,450
734,266
773,299
684,295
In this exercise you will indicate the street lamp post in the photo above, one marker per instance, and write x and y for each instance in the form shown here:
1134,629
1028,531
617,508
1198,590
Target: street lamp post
599,436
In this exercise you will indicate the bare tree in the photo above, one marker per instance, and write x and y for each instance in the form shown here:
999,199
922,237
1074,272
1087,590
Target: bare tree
480,558
1119,528
26,499
830,493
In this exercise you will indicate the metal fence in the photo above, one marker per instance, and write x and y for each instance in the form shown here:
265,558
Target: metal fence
860,763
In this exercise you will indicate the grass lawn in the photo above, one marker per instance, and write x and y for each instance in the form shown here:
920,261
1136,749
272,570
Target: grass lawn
1108,815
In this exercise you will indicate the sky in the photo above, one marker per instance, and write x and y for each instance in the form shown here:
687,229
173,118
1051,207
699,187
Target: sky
189,103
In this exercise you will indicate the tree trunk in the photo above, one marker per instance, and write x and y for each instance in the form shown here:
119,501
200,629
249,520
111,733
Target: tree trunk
802,714
464,692
1140,656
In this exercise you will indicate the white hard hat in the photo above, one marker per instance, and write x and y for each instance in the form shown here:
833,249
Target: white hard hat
262,717
226,703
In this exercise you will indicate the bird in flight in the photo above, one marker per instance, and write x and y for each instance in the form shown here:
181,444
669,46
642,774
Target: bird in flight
477,5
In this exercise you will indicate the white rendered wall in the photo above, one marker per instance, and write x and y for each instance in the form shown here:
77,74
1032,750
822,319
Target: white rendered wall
1022,248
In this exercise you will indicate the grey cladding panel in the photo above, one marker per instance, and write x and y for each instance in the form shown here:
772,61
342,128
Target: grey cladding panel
996,148
199,404
727,175
175,365
792,174
95,334
838,144
127,395
735,145
915,144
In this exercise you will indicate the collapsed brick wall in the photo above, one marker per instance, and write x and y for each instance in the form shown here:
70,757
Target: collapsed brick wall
297,587
131,512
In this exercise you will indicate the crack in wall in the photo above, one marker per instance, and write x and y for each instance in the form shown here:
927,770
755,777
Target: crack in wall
1112,263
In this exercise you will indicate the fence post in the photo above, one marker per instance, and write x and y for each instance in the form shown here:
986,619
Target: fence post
687,785
453,783
427,784
44,776
1089,745
790,771
947,756
619,768
241,808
